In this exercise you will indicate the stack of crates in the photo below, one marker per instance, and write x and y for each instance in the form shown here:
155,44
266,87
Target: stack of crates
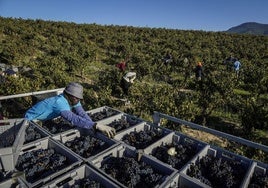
91,169
14,133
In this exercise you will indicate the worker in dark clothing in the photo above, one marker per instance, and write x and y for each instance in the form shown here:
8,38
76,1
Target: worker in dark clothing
229,62
127,81
198,71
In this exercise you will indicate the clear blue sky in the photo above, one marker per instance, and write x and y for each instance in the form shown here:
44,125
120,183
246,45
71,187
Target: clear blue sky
206,15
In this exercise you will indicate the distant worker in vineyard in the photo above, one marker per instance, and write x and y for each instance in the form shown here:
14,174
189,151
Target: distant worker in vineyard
68,106
198,71
168,58
237,66
127,81
229,62
122,65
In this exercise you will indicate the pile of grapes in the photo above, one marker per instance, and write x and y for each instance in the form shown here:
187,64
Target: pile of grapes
40,163
123,123
143,138
86,146
57,125
217,172
183,155
8,137
132,173
259,180
87,182
31,134
104,113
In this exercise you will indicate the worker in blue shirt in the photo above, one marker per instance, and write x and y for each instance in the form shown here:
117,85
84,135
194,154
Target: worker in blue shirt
68,106
237,66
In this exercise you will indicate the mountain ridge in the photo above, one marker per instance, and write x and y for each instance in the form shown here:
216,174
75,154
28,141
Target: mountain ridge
250,28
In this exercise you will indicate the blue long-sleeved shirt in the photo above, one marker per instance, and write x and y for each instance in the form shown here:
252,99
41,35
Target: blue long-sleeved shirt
58,106
237,65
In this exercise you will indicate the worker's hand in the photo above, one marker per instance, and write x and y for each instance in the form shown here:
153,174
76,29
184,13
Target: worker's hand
109,131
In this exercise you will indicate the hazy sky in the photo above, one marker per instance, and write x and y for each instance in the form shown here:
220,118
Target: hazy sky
207,15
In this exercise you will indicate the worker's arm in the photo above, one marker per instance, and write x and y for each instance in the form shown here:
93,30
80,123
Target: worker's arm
77,120
79,110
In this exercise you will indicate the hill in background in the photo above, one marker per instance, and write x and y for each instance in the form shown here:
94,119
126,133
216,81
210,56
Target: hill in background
250,28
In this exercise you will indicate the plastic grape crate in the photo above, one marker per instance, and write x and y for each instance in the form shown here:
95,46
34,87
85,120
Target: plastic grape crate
240,167
78,176
103,112
158,134
121,122
56,126
12,138
72,161
79,136
257,176
190,146
124,151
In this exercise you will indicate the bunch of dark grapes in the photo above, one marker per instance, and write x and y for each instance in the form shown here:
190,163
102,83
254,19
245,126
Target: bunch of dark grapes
123,123
217,171
184,154
142,139
258,180
8,137
57,125
7,140
104,113
132,173
87,146
87,183
40,163
31,134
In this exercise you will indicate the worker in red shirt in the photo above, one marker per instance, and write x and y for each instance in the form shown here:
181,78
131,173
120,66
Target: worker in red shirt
122,65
